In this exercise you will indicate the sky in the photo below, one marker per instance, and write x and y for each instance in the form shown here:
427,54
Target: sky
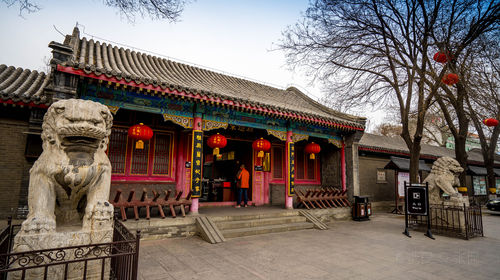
238,38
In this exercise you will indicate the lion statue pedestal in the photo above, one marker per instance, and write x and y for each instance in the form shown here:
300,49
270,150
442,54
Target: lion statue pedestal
443,179
69,188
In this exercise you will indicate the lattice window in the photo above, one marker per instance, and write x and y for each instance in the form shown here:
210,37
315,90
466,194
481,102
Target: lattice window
299,162
162,154
311,167
277,162
140,159
117,150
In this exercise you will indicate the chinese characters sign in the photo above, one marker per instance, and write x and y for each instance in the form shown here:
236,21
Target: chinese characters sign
291,165
196,163
416,200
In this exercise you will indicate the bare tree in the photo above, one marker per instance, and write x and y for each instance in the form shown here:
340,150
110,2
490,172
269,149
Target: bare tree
380,52
483,101
474,23
155,9
387,129
371,52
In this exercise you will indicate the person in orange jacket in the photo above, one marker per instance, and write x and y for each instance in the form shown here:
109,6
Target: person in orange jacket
243,177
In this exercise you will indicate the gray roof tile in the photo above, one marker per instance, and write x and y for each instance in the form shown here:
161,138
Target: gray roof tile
103,58
398,145
23,85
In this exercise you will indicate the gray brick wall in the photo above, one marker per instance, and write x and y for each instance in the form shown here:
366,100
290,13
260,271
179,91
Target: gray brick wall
369,186
330,166
12,163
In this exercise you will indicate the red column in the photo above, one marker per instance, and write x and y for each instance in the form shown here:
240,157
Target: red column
342,166
288,197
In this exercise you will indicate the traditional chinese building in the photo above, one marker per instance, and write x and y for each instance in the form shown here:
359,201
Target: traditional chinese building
184,106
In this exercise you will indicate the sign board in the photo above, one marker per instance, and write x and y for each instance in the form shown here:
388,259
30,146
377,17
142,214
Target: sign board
416,200
417,203
259,168
402,178
291,165
196,163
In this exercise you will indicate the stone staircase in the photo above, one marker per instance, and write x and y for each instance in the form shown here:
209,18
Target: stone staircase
253,224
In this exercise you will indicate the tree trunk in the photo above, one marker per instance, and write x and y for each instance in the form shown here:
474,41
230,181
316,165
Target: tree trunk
414,161
461,156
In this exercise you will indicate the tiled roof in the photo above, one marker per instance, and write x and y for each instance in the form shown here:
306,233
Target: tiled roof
396,145
94,57
23,85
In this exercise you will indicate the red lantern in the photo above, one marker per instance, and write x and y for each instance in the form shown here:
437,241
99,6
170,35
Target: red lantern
261,145
141,133
441,57
450,79
491,122
312,149
217,142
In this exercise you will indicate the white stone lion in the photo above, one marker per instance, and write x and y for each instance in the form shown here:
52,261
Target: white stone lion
71,178
444,176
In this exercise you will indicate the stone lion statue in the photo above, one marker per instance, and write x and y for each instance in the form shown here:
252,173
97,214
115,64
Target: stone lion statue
71,179
444,176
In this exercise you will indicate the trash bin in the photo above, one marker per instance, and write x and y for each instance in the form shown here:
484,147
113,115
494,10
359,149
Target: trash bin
362,209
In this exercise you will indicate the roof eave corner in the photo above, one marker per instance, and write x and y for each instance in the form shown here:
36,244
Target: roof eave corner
61,53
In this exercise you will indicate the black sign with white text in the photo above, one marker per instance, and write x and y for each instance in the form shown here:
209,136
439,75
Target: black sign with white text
416,200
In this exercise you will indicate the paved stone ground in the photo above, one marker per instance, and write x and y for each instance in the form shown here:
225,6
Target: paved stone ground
373,249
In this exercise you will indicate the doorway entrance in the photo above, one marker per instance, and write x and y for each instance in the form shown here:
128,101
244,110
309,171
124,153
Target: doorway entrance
219,172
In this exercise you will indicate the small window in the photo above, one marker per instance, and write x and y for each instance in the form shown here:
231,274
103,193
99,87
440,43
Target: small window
277,159
117,150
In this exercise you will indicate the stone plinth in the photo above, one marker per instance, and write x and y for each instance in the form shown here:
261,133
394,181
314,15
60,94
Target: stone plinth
69,236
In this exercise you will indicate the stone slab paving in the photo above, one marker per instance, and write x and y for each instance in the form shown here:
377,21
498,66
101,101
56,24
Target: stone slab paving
374,249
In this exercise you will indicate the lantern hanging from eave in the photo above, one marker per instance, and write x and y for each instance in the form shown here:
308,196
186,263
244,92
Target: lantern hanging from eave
312,149
261,145
491,122
141,133
217,142
450,79
442,57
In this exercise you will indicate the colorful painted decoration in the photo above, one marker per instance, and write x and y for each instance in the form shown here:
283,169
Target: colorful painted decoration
217,142
441,57
261,145
450,79
141,133
491,122
312,149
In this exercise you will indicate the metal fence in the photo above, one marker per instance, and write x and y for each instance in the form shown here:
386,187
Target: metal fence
113,260
460,221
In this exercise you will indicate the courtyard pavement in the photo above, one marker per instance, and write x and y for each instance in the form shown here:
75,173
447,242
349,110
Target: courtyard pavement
374,249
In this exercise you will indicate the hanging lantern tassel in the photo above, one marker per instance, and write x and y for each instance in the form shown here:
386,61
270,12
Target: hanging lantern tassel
217,142
312,149
261,146
140,133
139,144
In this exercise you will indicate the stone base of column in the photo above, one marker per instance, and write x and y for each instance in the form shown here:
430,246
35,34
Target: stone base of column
289,202
195,205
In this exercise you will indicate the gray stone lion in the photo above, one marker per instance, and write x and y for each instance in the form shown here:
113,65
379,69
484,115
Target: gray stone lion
444,176
70,181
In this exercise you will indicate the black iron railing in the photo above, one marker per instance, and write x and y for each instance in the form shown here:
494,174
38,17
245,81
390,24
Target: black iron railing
113,260
460,221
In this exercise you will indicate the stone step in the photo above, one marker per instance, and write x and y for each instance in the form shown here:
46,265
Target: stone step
239,232
260,222
285,213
